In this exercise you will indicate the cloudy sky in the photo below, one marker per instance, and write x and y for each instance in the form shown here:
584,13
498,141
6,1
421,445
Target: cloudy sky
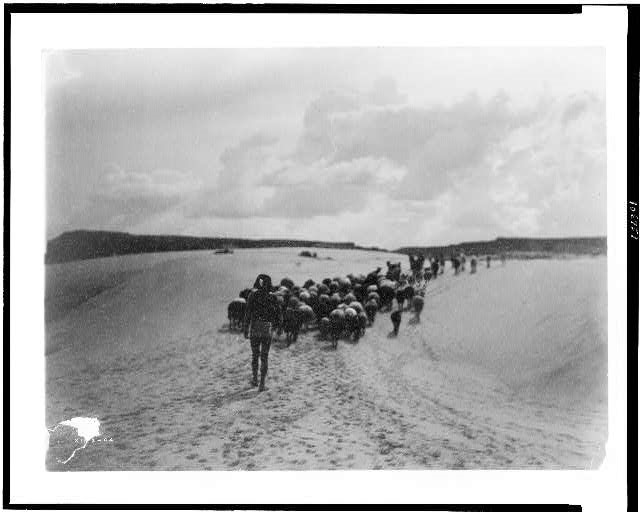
388,147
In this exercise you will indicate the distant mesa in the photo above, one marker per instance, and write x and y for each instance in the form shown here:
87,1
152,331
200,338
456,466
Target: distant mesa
84,244
519,248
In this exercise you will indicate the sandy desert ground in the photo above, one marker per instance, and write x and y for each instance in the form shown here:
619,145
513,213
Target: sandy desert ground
507,369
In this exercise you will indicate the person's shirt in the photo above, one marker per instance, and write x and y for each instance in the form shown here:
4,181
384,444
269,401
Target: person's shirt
262,306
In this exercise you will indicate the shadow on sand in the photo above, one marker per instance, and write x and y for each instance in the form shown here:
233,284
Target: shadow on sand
227,329
281,344
245,393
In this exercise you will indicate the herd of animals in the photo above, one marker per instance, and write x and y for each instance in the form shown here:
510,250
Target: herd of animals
343,307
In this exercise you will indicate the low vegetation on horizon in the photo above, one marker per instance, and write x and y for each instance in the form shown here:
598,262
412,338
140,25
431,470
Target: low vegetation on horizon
80,245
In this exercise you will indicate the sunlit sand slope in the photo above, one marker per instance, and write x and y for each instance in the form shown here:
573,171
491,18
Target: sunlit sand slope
506,369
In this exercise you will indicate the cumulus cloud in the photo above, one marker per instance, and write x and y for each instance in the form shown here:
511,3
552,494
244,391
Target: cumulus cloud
385,92
480,168
237,191
212,143
125,198
434,145
156,184
577,105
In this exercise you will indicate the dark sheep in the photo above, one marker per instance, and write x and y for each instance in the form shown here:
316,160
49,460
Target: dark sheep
307,316
375,296
344,285
235,312
349,298
287,283
418,305
393,270
337,320
363,320
427,274
409,292
325,327
386,291
371,308
396,318
357,306
400,296
279,326
351,323
359,292
292,321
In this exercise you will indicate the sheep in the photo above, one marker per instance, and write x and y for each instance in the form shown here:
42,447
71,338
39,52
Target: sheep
307,316
359,292
325,327
351,323
235,312
474,264
386,290
344,284
409,292
393,270
371,308
337,321
349,298
428,274
291,323
287,283
418,304
304,296
357,306
363,320
323,289
375,296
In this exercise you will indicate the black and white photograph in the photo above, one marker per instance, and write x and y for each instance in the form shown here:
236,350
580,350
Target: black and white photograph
345,257
335,258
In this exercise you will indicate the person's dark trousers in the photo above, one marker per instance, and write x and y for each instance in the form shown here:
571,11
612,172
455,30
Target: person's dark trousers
396,318
260,351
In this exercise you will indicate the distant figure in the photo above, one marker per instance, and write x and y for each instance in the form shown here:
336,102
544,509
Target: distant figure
418,304
455,262
415,264
488,261
503,258
474,264
396,315
434,268
262,312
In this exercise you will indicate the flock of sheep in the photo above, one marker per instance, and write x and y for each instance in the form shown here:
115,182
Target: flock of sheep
345,306
338,307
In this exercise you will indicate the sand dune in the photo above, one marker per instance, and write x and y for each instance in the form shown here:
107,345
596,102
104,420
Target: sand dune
507,369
